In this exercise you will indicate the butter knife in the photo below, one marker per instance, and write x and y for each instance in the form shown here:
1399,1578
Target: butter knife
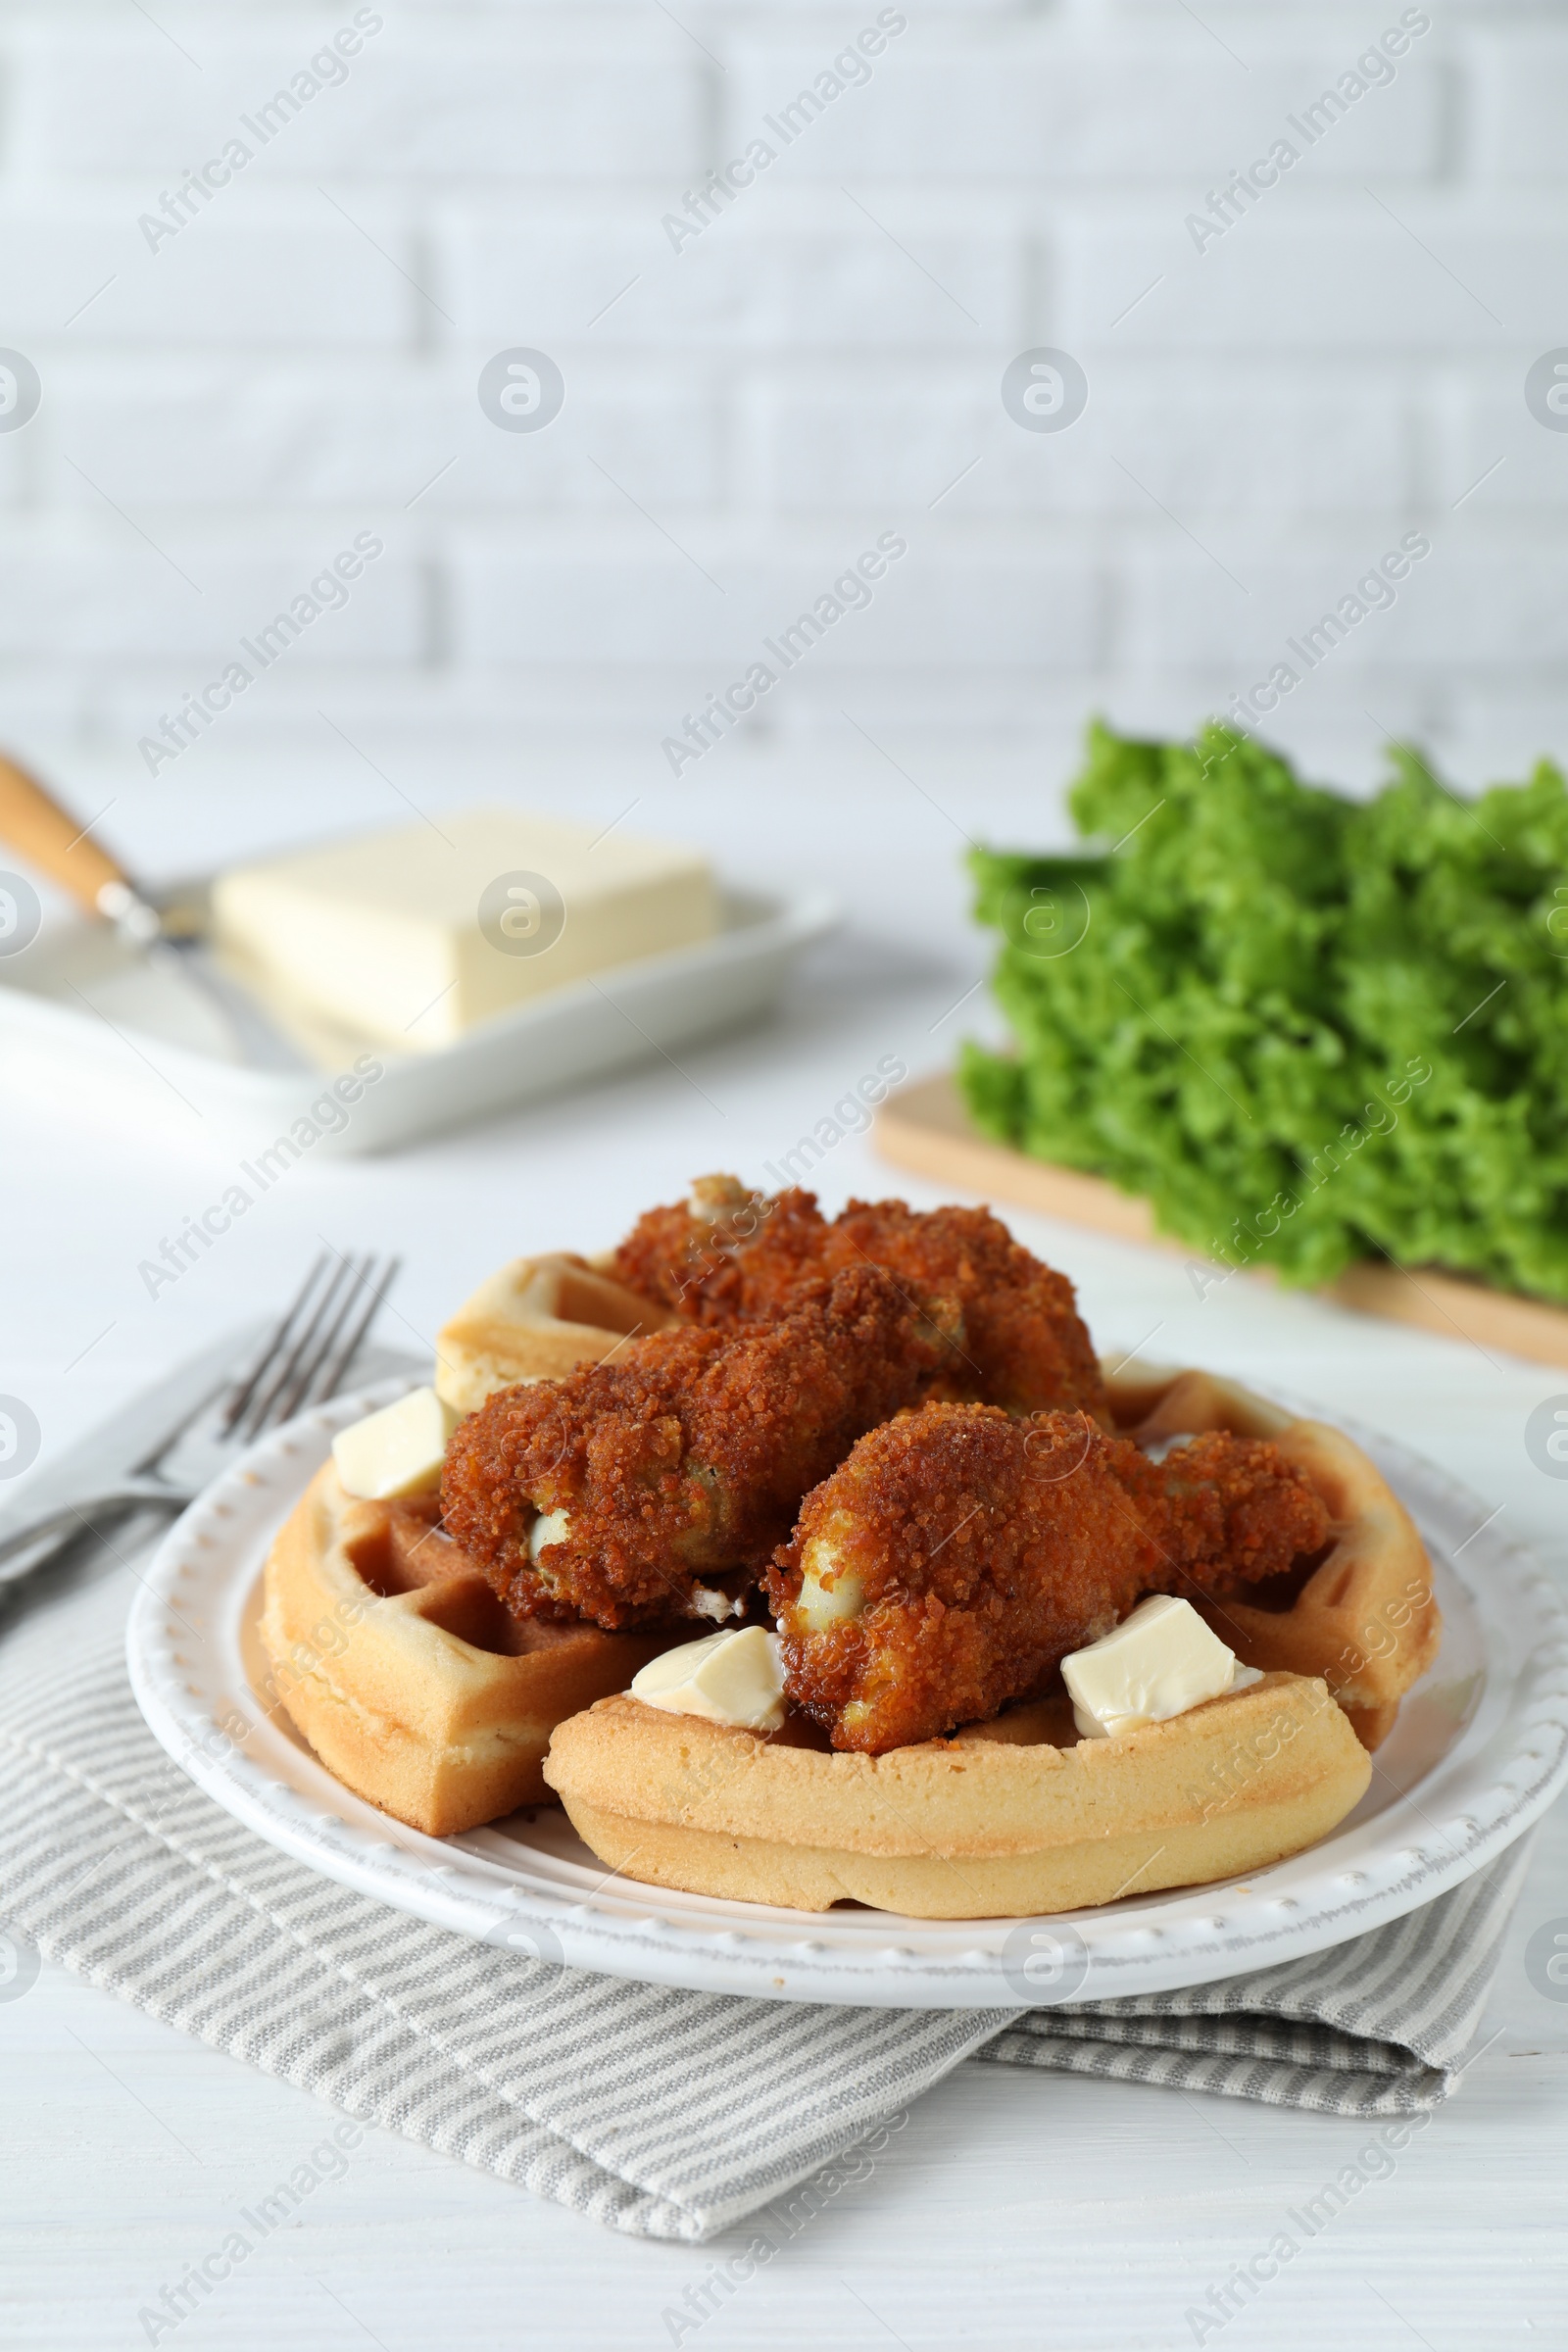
33,823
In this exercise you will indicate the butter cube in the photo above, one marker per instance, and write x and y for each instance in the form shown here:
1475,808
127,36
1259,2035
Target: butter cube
398,1450
734,1678
1159,1662
411,937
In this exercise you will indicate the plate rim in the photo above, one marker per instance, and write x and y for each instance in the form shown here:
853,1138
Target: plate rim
725,1946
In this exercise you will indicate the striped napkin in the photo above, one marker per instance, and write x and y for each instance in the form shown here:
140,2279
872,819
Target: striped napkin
662,2113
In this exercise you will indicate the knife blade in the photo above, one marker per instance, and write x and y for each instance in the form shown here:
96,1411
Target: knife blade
33,823
164,1437
122,1448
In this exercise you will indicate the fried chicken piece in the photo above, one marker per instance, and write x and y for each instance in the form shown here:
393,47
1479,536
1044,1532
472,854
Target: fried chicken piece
654,1487
958,1556
728,1255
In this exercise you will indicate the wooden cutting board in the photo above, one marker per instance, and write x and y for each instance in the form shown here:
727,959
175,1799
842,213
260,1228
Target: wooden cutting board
926,1128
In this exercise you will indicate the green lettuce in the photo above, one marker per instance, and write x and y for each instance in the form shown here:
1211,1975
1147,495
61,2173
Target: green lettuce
1308,1030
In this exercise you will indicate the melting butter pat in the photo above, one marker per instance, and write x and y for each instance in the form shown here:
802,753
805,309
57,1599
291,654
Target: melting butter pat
1159,1662
411,937
398,1450
822,1604
551,1526
734,1678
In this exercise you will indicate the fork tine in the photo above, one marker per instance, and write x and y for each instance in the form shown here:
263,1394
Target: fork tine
324,1354
324,1340
339,1302
261,1414
331,1374
289,1389
276,1341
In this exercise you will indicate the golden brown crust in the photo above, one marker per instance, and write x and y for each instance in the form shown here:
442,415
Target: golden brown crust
1026,1345
1366,1618
739,1256
393,1657
998,1822
683,1461
980,1548
420,1692
952,1829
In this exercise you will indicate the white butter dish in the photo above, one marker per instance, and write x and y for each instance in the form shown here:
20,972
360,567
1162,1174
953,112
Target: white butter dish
78,1010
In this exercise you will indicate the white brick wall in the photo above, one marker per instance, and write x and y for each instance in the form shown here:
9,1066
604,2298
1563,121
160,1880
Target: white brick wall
820,364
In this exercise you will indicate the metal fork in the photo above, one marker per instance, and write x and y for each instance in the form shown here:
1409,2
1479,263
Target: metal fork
313,1346
305,1358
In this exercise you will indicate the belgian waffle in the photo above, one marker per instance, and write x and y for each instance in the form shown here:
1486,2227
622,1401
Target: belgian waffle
1019,1815
537,1319
410,1679
1010,1817
1364,1618
412,1683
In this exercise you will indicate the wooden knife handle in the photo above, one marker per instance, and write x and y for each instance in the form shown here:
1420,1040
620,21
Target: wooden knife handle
49,837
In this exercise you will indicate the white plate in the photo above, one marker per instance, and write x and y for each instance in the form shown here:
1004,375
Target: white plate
77,999
1480,1750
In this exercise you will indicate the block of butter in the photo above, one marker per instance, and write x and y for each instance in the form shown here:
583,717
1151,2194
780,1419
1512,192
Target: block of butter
1159,1662
398,1450
411,937
735,1678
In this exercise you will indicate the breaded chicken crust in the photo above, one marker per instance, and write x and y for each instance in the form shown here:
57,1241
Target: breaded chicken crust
958,1556
728,1256
668,1476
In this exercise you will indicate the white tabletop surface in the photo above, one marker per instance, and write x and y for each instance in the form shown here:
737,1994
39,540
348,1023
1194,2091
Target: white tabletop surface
1013,2209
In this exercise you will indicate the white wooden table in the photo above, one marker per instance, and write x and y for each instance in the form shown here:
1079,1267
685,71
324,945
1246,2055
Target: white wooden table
1012,2209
